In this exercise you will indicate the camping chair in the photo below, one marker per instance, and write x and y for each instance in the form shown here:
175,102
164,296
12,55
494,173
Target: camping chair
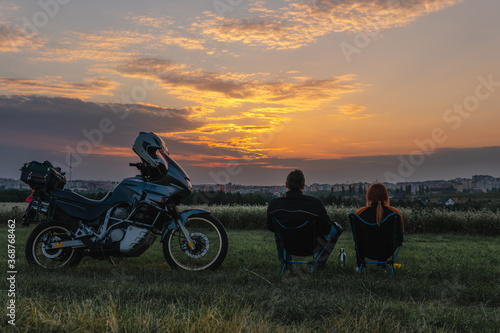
297,234
377,243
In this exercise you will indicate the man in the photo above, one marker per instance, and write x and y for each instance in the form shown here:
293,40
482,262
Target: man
295,201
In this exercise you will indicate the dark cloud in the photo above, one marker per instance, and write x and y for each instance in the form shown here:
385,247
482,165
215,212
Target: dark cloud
66,118
147,66
53,124
56,86
44,128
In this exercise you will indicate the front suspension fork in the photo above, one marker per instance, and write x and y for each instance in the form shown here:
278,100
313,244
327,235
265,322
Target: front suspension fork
175,214
185,232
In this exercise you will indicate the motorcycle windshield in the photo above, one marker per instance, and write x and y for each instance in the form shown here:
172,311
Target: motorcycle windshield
162,158
164,149
174,169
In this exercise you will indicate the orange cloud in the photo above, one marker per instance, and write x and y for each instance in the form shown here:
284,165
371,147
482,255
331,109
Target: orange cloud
362,116
53,85
302,23
113,151
13,39
234,89
104,46
277,166
267,105
114,45
351,109
175,38
239,139
152,22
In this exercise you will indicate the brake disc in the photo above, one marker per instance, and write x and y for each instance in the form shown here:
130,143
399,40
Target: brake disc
201,246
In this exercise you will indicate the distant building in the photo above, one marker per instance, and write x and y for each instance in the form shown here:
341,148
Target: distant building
399,197
447,201
424,200
459,187
14,184
486,183
478,184
467,183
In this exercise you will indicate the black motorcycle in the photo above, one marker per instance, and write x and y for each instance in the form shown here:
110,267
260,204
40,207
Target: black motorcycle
126,222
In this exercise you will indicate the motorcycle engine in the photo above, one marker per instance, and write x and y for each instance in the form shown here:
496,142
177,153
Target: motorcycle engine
120,213
129,239
133,240
117,234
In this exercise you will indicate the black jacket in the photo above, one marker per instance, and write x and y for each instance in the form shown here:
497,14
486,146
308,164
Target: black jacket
295,200
369,213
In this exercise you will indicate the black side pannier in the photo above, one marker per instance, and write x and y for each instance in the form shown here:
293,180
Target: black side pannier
42,175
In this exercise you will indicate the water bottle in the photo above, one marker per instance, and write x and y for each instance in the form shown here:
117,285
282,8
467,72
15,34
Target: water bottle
342,258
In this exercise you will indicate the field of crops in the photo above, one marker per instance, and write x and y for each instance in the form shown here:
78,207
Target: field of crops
472,222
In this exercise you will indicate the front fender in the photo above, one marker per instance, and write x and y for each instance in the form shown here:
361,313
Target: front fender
184,217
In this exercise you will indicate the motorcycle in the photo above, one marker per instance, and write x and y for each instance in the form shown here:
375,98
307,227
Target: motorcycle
127,221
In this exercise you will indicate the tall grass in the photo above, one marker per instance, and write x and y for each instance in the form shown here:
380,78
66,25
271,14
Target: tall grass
472,222
11,211
246,217
447,283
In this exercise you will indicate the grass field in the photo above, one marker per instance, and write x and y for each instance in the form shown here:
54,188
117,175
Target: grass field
447,283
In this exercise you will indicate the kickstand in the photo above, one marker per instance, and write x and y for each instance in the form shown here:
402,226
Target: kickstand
111,261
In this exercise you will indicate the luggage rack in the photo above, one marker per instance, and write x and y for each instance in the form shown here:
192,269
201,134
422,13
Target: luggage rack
42,176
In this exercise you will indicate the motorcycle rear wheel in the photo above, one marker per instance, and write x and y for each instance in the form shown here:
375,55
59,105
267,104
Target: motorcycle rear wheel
210,245
38,255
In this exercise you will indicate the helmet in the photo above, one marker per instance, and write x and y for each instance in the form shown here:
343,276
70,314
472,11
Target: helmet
146,146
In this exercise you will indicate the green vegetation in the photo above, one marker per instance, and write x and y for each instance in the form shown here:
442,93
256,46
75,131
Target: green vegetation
447,283
417,220
11,210
13,195
349,197
436,220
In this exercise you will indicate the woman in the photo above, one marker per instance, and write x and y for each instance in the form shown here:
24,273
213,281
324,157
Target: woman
376,210
377,205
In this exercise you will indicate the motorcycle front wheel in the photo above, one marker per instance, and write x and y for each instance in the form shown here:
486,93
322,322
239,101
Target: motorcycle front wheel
37,253
210,245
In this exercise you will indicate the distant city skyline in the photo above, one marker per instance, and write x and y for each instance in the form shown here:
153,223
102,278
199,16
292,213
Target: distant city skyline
481,183
246,91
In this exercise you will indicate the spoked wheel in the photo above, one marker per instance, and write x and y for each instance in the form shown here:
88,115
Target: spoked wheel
37,252
209,240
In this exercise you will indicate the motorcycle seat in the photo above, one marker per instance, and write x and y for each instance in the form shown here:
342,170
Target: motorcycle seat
80,207
68,195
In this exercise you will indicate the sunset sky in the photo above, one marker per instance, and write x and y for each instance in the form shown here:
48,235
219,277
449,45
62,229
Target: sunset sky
245,91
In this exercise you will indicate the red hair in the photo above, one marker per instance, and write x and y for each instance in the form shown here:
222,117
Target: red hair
377,192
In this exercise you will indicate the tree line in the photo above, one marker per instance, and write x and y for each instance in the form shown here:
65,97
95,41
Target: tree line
347,197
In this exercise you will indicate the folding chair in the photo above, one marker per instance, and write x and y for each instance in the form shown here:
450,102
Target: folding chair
381,244
296,234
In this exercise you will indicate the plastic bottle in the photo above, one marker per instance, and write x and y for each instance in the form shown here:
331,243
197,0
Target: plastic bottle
342,258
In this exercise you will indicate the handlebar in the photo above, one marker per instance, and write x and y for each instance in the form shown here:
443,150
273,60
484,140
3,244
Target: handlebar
137,165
